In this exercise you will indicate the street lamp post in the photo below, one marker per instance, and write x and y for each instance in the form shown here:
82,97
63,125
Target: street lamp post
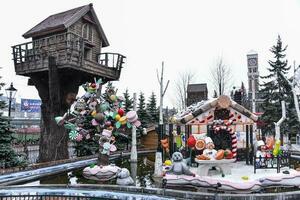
10,92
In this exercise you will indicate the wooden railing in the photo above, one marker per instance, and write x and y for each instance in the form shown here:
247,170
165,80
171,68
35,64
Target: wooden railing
113,60
68,48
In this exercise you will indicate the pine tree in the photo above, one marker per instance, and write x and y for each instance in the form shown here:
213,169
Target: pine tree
128,101
244,96
276,88
152,109
142,113
8,157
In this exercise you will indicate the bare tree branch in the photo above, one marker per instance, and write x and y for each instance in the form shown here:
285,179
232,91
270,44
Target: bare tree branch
184,78
221,76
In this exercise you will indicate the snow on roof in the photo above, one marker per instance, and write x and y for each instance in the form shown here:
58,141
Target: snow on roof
252,52
198,108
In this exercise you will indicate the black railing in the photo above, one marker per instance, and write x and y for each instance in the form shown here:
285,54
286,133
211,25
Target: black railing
49,197
272,162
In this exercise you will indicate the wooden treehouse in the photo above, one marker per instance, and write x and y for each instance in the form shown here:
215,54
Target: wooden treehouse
65,52
75,38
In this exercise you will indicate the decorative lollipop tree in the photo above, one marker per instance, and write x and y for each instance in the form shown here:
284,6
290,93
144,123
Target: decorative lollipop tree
101,119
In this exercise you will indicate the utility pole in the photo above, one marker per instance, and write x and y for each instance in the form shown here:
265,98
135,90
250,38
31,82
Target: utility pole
158,154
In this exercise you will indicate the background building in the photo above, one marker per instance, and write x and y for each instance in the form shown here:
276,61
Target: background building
196,93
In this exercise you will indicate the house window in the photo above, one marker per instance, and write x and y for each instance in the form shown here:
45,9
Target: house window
87,53
87,32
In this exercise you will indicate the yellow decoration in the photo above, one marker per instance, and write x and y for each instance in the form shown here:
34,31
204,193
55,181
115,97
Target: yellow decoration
246,178
94,113
276,148
113,97
117,117
168,163
123,120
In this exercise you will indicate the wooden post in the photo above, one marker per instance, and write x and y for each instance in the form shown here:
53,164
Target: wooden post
178,130
171,139
186,133
133,155
158,154
247,144
251,143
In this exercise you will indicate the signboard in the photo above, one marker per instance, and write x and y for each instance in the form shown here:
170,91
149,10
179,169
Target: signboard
31,105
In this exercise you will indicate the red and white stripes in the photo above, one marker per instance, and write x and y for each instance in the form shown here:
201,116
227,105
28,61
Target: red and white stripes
233,142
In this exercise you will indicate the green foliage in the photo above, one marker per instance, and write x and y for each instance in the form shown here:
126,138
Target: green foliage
128,101
142,113
21,138
87,147
152,109
276,89
8,157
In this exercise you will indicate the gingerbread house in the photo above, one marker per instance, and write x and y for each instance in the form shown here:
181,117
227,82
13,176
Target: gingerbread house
222,119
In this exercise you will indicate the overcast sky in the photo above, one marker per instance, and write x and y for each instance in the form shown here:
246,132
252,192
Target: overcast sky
185,34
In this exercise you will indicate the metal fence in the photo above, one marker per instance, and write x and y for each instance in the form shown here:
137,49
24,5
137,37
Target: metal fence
48,197
272,162
31,152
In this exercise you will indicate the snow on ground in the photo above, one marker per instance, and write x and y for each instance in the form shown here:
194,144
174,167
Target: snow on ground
239,170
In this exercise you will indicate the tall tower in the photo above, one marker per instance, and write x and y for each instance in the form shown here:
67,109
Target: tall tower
253,79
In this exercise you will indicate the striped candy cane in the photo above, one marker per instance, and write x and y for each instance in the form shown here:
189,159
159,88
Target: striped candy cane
233,143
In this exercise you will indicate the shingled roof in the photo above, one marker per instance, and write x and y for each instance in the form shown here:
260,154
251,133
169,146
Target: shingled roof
61,21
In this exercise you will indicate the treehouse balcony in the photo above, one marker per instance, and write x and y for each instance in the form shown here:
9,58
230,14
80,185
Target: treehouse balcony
72,53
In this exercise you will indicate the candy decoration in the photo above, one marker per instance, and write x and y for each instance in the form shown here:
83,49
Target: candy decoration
121,112
73,134
209,117
178,141
200,144
276,148
123,120
117,117
79,138
191,142
132,117
233,143
270,142
113,98
168,163
113,148
98,117
94,122
220,154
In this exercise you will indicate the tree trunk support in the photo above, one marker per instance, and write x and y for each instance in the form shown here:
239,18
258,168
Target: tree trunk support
53,89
